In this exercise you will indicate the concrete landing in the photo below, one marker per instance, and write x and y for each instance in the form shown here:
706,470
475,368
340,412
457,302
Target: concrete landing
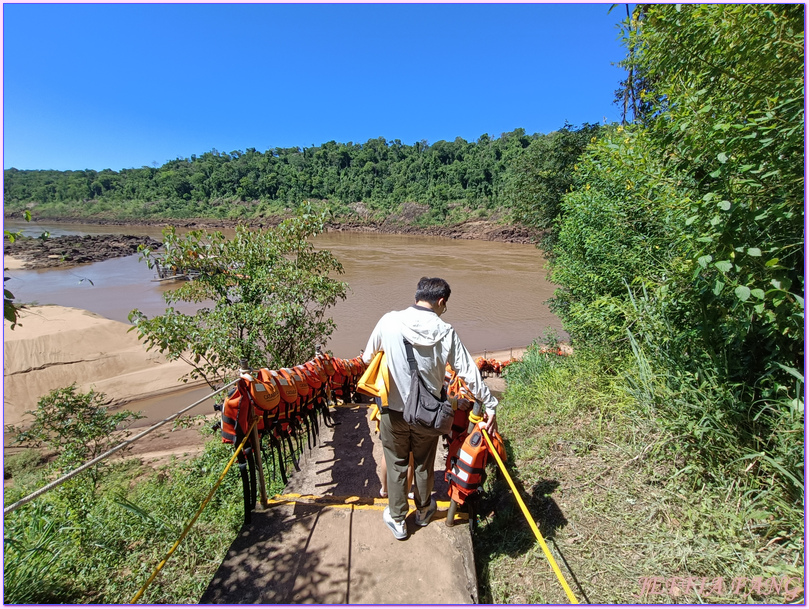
324,541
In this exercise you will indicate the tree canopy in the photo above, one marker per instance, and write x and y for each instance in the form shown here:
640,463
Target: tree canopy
454,179
264,293
681,247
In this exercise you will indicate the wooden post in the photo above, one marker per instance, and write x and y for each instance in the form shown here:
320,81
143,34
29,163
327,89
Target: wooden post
256,442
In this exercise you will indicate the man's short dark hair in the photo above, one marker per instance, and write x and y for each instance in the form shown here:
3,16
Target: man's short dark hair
431,289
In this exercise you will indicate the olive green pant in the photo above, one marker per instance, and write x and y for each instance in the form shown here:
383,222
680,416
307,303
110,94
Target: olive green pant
399,439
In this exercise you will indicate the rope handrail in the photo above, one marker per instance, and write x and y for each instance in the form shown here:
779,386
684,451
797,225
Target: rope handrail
531,522
51,485
194,519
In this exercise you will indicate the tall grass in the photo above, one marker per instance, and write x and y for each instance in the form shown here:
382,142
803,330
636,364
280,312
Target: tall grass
635,469
81,545
722,434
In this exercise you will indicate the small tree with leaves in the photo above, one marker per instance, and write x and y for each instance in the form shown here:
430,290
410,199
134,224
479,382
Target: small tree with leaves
77,426
263,297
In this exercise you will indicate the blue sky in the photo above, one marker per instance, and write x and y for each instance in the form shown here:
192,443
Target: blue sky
95,86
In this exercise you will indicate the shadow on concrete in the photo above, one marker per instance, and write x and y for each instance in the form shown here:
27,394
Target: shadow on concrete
315,553
273,561
351,469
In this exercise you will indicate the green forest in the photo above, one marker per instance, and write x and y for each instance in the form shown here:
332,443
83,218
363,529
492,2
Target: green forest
453,180
670,445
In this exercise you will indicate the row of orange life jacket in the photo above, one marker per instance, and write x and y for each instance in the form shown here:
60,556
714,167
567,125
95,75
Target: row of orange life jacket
493,366
285,402
284,399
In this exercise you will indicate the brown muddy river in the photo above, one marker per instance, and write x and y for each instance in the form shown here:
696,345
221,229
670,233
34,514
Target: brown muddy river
499,290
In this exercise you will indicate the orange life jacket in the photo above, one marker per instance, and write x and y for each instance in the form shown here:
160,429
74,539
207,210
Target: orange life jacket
236,413
317,366
466,462
264,392
328,364
289,395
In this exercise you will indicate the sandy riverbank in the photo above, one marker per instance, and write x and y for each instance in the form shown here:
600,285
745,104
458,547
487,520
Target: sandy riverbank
54,346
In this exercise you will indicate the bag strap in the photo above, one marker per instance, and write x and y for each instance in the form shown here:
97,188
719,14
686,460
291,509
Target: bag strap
411,359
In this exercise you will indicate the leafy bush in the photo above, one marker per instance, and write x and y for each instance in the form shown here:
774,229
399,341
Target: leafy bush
76,425
270,287
125,530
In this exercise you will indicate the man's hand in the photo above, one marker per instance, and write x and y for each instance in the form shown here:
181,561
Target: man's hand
489,423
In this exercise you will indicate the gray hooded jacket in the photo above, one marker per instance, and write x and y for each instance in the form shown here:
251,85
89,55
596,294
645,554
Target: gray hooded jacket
435,344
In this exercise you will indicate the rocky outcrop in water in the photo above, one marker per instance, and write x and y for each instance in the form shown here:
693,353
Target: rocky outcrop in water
70,250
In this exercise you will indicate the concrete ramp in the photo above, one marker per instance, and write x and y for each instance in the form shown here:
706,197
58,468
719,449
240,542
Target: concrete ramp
324,540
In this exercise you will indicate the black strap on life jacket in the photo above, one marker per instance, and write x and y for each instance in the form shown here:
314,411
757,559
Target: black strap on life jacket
470,486
246,458
228,436
468,468
247,471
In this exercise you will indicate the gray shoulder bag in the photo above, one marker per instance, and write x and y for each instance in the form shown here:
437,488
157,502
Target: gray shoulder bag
423,409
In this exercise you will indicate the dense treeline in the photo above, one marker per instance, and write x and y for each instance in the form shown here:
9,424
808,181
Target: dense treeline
444,176
679,253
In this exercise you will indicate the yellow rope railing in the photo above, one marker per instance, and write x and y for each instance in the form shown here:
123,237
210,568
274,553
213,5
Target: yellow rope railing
194,519
531,522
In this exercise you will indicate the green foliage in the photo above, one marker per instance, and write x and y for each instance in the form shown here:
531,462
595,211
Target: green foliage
543,174
381,174
126,528
22,463
680,254
31,557
78,426
10,309
735,123
620,491
269,290
618,234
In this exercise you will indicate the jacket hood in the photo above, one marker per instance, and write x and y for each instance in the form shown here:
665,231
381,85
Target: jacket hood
423,328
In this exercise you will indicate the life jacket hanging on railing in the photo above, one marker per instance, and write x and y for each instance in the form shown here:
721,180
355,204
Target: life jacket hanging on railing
236,420
310,406
301,406
339,381
289,397
295,416
466,463
267,400
318,367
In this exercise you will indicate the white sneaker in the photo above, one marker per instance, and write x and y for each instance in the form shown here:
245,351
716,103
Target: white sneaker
399,529
424,515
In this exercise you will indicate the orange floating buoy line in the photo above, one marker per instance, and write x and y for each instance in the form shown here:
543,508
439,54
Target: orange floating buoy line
286,404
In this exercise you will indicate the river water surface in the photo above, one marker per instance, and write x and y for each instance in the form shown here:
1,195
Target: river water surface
499,290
